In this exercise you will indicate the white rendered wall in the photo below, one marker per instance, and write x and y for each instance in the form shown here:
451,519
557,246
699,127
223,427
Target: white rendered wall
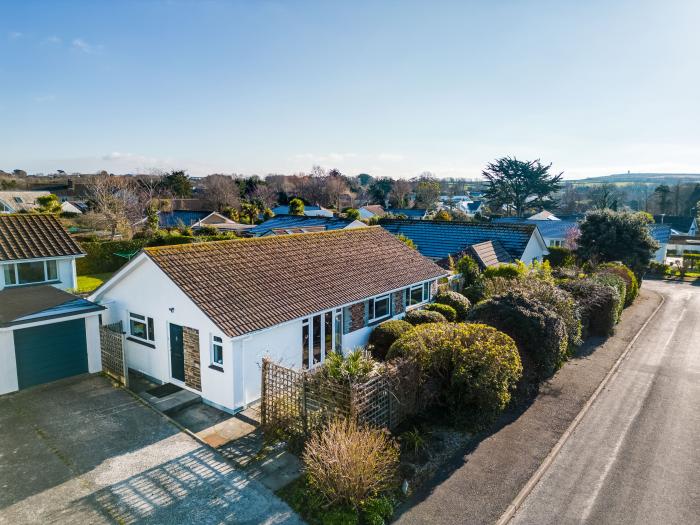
533,250
8,364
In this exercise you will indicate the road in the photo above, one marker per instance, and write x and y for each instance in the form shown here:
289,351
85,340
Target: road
635,457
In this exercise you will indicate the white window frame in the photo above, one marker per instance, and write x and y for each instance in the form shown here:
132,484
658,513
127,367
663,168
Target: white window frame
371,317
213,343
425,296
336,339
15,271
150,327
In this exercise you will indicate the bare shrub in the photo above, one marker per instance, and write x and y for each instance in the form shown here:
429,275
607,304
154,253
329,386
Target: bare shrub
348,463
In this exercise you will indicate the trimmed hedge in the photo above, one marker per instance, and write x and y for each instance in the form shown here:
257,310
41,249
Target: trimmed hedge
384,335
416,317
627,275
597,305
509,271
559,256
475,367
456,300
446,310
539,332
100,256
617,283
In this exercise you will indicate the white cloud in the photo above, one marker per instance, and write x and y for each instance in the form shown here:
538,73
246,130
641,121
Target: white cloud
53,40
14,35
85,47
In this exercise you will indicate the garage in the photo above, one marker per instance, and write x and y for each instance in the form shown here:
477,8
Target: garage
49,352
46,334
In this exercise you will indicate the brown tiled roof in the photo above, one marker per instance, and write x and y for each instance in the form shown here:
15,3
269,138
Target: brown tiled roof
490,253
377,209
32,236
250,284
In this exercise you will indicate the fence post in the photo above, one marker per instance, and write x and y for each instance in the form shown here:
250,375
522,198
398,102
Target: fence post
263,392
304,421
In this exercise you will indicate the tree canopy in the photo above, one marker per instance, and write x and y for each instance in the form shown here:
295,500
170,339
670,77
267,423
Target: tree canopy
296,207
519,185
608,236
179,184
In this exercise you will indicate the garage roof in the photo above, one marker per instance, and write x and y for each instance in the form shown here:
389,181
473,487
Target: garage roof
34,236
24,304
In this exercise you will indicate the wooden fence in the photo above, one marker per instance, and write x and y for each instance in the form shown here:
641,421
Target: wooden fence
113,355
295,403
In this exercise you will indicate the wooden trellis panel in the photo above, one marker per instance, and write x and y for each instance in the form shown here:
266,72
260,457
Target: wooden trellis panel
113,355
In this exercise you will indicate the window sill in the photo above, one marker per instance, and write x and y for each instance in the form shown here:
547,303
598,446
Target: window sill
55,281
372,322
141,342
217,368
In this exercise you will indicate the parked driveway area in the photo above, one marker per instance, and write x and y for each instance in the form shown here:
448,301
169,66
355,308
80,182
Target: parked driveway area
83,451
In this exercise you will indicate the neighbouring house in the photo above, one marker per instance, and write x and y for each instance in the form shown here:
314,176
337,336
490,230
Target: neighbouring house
680,244
46,333
309,211
202,316
371,210
177,218
679,225
471,208
286,224
17,201
73,207
555,232
662,235
438,240
410,213
222,223
544,215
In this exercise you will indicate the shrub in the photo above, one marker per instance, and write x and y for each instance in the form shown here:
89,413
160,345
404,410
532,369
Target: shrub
616,282
475,366
631,283
377,511
353,368
660,268
475,292
597,305
416,317
348,464
456,300
539,332
509,271
207,229
546,293
384,335
560,257
468,268
449,313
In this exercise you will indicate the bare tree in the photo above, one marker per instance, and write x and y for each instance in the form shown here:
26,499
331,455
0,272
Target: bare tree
336,186
400,191
221,191
265,194
115,202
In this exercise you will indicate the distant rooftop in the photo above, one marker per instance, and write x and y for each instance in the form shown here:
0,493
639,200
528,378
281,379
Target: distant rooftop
298,223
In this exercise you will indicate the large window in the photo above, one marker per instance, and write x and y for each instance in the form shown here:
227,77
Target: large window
418,294
30,272
320,335
217,351
141,327
379,308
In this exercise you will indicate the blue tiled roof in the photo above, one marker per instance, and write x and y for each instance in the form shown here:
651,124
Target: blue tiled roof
660,232
284,210
549,229
173,219
438,239
408,212
679,223
298,221
473,206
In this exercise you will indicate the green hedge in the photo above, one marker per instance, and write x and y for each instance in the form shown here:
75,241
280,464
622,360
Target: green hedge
559,257
617,283
470,368
416,317
456,300
631,283
384,335
597,304
446,310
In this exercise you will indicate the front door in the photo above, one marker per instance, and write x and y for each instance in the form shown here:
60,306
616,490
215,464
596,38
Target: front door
177,353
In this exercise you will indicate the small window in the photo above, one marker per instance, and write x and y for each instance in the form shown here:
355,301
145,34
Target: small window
18,200
305,343
379,308
9,272
217,350
141,327
51,271
31,272
418,294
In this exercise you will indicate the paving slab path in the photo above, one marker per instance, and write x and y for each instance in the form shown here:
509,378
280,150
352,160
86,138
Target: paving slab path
83,451
480,484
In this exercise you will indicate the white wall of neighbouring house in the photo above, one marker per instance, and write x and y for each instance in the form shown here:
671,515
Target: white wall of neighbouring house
8,364
534,249
144,289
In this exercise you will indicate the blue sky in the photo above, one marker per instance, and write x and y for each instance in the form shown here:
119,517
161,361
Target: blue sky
388,88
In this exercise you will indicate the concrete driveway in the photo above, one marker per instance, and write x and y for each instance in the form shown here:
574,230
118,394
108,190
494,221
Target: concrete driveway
82,451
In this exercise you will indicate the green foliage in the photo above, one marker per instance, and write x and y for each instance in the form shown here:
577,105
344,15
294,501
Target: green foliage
384,335
151,220
617,283
408,242
100,256
427,193
249,212
597,305
608,236
442,215
456,300
469,269
508,271
268,214
412,441
631,283
340,516
512,182
207,229
559,257
377,511
311,506
475,366
179,184
48,203
416,317
353,368
296,207
539,332
660,268
448,312
352,213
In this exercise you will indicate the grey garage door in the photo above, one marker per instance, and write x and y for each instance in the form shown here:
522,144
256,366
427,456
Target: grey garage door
49,352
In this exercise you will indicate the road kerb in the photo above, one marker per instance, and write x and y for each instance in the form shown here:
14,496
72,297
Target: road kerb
547,462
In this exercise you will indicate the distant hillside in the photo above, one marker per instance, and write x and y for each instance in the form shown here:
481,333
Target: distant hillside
655,178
